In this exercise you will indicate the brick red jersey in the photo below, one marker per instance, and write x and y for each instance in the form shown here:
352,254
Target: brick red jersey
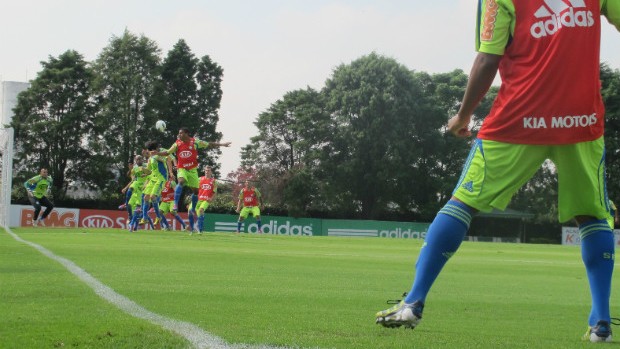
249,196
206,188
187,154
550,92
167,193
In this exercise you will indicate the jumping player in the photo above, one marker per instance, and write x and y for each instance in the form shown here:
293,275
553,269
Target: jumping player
186,151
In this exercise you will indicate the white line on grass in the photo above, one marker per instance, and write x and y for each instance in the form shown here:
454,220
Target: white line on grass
194,334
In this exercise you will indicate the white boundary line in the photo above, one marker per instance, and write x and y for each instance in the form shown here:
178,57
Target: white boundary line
198,337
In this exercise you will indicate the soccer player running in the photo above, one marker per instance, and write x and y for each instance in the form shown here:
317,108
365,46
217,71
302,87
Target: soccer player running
161,169
252,202
207,189
186,150
548,107
38,188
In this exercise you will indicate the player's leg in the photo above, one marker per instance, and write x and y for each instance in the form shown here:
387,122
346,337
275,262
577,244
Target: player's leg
492,174
37,209
582,194
48,208
243,214
256,214
178,190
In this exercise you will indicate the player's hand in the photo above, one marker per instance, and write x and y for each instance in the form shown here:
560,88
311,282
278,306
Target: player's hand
124,190
459,126
227,144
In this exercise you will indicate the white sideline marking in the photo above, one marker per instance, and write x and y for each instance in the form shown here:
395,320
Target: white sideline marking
198,337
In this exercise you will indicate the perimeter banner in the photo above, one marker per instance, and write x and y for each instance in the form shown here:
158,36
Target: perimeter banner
21,216
570,236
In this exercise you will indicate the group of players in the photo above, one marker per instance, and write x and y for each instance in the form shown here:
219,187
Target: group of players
154,187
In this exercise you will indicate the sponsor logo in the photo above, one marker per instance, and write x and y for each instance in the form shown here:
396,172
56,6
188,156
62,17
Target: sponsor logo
556,14
98,221
185,154
569,121
469,186
55,218
488,23
399,233
286,228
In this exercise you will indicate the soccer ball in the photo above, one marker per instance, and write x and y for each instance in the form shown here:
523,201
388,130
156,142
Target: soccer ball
160,125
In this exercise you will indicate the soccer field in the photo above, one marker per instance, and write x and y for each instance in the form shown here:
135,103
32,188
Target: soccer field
282,291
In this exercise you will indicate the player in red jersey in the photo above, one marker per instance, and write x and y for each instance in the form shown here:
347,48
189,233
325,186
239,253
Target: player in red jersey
167,199
549,106
186,151
207,189
252,201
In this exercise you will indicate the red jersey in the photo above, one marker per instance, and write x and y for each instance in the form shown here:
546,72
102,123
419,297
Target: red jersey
187,155
206,188
250,196
167,193
550,92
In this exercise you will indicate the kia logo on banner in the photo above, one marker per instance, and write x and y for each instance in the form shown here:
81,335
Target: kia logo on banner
97,221
102,219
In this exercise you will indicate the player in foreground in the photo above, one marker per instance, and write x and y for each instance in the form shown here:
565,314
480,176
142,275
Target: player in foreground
186,151
38,188
252,202
549,107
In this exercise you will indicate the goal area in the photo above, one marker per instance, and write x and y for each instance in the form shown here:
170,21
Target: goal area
6,177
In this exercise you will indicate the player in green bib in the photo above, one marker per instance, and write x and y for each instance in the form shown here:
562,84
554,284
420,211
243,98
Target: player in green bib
38,188
161,169
139,174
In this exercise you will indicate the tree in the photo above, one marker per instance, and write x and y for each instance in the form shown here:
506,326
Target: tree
191,96
377,129
54,121
128,71
610,91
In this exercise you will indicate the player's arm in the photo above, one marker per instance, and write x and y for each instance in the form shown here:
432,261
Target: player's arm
611,10
204,144
496,20
480,80
169,167
239,201
172,150
259,197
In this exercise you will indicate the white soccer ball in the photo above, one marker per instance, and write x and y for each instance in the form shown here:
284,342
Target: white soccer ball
160,125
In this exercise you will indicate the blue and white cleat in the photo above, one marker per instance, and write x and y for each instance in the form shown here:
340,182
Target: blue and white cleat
600,333
404,314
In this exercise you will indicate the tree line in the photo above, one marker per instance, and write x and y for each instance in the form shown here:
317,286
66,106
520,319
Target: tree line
369,144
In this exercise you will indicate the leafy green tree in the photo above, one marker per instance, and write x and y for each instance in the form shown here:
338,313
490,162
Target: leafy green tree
377,131
290,137
191,96
54,121
610,79
128,72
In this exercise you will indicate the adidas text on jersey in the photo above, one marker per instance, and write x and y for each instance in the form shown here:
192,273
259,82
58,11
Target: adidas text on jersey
556,14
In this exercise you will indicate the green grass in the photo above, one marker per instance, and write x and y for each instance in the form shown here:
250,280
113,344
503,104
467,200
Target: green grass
286,291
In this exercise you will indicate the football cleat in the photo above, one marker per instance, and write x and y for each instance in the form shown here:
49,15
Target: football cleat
41,222
601,332
404,314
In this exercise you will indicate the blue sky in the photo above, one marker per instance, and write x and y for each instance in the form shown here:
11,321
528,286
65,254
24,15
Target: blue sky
266,47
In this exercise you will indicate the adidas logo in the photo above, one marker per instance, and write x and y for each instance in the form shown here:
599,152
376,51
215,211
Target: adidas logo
469,186
557,14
